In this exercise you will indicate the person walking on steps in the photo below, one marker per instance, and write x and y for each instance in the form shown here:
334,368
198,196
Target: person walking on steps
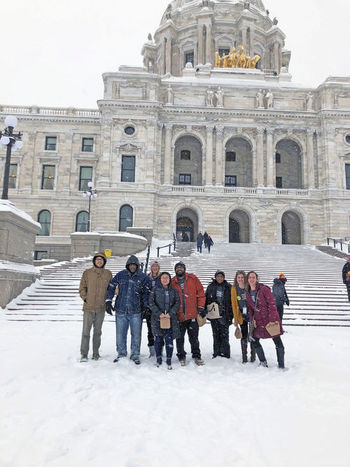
154,277
240,313
346,280
199,242
210,243
133,291
205,238
218,303
192,303
93,291
279,293
262,313
164,302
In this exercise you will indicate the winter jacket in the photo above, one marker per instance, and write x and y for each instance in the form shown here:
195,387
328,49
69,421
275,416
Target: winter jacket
93,286
199,239
234,303
264,311
346,269
156,280
225,308
194,296
156,303
133,289
279,292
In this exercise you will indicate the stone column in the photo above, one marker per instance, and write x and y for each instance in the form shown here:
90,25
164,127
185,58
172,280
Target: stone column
330,157
270,160
276,56
209,156
167,154
220,159
208,45
168,56
251,45
260,157
200,44
244,38
310,159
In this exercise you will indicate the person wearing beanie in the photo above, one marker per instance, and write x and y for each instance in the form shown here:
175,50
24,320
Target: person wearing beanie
192,303
219,293
280,293
133,292
93,290
346,278
153,276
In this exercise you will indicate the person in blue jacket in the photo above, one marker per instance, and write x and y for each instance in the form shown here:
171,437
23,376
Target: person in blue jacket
132,292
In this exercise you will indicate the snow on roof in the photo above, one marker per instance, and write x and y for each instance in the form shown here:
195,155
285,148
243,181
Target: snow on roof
7,206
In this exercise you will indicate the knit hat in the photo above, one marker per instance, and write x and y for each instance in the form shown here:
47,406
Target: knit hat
219,272
181,264
348,273
281,274
155,262
349,258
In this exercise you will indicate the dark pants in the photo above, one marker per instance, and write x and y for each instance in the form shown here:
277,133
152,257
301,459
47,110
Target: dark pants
280,311
95,320
149,331
221,345
199,248
209,246
192,328
166,339
244,344
348,289
279,350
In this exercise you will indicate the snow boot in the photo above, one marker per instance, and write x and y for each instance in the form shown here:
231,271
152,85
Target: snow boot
264,364
199,362
168,362
252,354
96,356
137,361
280,357
159,361
244,348
152,352
260,353
83,358
183,362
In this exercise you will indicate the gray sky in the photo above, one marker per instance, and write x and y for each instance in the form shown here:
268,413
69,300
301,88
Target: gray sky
54,52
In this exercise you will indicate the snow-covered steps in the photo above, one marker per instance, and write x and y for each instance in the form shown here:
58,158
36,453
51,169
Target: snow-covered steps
315,288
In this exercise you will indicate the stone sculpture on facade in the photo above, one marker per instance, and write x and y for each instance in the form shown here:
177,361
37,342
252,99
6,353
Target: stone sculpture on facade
219,97
269,99
170,99
210,98
260,99
309,101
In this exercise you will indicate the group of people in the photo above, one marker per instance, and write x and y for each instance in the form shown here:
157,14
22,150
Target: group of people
174,306
206,239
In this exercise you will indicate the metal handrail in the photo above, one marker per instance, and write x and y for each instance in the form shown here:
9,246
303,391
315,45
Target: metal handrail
172,244
336,241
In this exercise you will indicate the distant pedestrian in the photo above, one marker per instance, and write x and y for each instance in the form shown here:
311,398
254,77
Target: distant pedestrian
93,290
280,293
346,281
205,238
199,242
210,243
164,302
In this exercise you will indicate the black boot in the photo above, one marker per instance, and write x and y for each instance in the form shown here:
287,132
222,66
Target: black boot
280,357
252,353
260,353
244,347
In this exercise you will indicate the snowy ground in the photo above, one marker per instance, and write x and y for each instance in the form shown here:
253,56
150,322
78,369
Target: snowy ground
56,411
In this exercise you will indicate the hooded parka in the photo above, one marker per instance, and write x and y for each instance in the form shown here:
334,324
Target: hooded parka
93,286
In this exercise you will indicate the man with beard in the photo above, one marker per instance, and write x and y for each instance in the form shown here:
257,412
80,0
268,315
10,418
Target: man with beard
192,303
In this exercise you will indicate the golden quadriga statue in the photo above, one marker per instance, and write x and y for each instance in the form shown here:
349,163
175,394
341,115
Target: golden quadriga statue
236,59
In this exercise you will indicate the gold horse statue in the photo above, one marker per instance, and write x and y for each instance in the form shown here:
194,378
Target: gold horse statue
236,59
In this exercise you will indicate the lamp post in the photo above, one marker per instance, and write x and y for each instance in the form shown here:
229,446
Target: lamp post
91,193
13,142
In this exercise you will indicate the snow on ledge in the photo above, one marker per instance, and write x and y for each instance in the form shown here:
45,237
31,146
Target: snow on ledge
7,206
18,267
109,234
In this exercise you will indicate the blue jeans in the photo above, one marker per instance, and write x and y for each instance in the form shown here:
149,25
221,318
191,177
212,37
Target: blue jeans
122,322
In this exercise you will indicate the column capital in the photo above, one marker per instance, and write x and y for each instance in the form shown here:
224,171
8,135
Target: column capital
219,129
168,126
260,131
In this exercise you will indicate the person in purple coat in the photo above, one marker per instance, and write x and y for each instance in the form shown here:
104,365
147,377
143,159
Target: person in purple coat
262,311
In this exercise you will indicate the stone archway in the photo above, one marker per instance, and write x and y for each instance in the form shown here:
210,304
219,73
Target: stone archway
188,161
238,162
186,225
288,164
239,227
291,229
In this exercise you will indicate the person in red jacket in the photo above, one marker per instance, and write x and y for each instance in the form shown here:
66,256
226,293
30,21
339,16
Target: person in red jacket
192,303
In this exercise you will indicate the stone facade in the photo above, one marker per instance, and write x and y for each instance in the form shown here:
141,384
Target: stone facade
245,154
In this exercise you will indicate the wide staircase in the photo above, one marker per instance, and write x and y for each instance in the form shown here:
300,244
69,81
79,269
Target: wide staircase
316,292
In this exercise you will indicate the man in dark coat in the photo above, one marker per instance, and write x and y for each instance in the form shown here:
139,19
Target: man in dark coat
280,293
133,291
199,242
346,278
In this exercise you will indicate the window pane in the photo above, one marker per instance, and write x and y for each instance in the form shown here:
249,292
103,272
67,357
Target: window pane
125,218
84,178
347,173
185,155
128,169
88,145
50,143
230,156
38,255
278,158
185,179
189,57
224,51
48,177
278,182
230,180
44,218
13,176
81,224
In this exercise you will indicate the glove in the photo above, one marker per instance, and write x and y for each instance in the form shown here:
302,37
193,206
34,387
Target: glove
287,302
202,312
146,313
109,308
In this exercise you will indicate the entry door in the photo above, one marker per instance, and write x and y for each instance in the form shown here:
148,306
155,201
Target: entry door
234,234
184,229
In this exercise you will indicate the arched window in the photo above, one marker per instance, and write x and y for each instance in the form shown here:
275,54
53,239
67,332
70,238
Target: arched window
81,221
44,219
125,217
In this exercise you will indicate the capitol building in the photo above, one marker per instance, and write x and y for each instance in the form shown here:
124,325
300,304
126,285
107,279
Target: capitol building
210,133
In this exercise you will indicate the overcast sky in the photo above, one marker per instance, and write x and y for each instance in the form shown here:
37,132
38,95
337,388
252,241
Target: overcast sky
54,52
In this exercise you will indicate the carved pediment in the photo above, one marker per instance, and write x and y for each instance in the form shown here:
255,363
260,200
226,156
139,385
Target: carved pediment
129,147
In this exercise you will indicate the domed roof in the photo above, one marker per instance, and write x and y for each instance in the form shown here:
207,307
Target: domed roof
174,4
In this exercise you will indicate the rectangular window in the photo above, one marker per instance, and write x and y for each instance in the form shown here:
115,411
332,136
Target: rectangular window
279,182
189,57
230,156
185,155
230,180
347,174
128,169
38,255
85,177
87,145
48,177
185,179
224,51
50,143
278,158
13,176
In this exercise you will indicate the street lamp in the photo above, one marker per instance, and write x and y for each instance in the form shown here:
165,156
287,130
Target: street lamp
13,142
91,193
